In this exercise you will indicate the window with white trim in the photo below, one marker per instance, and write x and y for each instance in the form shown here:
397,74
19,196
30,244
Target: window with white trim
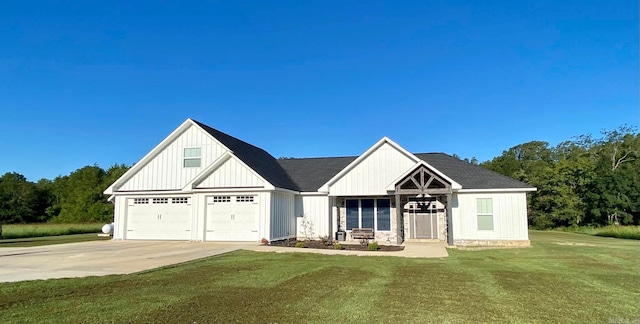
180,200
192,157
368,213
139,201
160,200
485,214
244,199
220,199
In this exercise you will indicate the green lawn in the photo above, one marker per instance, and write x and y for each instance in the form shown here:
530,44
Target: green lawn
48,240
12,231
564,277
626,232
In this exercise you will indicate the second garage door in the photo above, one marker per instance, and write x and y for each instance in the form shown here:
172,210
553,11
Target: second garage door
232,218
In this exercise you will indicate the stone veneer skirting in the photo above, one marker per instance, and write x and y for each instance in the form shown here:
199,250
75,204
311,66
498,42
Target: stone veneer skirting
492,243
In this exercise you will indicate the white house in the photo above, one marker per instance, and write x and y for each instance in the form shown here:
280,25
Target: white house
200,184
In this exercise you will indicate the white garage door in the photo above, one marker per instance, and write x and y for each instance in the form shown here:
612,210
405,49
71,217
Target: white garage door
232,218
159,218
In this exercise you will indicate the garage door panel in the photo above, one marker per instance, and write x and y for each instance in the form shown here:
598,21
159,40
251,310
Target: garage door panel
163,220
230,218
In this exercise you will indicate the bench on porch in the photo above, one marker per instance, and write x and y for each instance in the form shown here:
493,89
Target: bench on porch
364,234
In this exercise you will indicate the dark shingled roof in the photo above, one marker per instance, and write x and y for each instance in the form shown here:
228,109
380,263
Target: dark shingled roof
470,176
311,173
256,158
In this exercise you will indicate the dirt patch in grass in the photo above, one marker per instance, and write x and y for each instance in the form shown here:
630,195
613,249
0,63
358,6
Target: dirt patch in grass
322,245
575,244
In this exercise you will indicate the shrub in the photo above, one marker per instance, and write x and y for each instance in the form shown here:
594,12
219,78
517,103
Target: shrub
300,244
325,240
373,246
307,228
337,246
624,232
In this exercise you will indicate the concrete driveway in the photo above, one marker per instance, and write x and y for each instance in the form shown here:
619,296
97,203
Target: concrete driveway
99,258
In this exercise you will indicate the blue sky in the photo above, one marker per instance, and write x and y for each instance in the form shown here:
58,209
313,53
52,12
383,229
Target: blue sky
84,83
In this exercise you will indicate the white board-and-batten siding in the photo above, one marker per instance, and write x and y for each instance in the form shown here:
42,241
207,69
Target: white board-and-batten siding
314,209
282,221
119,217
373,174
231,174
509,216
166,171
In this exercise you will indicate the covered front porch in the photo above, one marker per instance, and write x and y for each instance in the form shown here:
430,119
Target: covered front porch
416,209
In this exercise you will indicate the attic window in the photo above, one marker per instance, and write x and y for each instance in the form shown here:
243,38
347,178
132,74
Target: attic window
192,157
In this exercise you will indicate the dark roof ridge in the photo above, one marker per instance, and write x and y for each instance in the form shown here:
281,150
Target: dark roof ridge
319,158
432,153
345,156
256,158
206,127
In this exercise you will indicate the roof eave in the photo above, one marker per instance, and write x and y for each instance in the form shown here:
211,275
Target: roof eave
489,190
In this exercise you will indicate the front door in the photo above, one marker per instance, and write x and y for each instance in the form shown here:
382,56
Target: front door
423,222
425,226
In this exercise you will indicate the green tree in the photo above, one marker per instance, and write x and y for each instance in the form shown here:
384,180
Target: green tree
19,200
584,181
113,173
614,195
81,198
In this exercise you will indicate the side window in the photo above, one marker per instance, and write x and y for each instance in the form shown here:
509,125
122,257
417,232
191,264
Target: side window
485,213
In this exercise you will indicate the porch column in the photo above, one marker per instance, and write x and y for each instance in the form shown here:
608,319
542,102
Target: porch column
334,217
449,219
399,220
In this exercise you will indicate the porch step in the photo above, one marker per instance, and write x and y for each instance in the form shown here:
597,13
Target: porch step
413,240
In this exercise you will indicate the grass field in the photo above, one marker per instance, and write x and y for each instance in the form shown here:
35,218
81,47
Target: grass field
563,278
624,232
49,240
12,231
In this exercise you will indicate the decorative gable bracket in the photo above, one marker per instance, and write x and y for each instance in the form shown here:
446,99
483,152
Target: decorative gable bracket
423,181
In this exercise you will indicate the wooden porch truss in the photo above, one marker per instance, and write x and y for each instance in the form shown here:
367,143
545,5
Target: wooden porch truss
423,181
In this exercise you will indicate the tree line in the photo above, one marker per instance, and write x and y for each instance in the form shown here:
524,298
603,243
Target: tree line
583,181
73,198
